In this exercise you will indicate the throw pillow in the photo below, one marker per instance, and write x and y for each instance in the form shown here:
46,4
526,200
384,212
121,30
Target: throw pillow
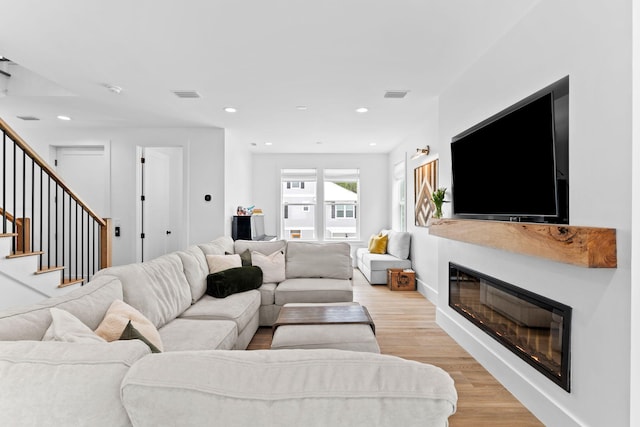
234,280
246,258
272,266
131,333
222,262
116,319
379,244
66,327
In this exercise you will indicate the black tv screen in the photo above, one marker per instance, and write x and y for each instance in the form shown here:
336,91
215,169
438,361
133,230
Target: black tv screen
514,165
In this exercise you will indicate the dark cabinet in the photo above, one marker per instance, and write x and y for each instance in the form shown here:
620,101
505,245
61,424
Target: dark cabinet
241,228
249,227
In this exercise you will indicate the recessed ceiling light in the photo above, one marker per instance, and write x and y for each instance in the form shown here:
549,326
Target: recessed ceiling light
301,107
268,143
319,142
64,117
372,144
230,109
362,110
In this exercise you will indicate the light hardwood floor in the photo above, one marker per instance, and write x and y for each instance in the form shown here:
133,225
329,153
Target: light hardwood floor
406,327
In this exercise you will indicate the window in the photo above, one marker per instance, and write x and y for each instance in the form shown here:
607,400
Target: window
341,202
298,204
302,202
399,211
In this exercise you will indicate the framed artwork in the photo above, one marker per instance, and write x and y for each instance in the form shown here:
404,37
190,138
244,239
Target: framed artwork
425,181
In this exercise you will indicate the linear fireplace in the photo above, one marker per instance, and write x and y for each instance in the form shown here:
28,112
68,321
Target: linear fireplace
533,327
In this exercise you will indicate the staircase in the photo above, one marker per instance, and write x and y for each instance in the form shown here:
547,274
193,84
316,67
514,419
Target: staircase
50,241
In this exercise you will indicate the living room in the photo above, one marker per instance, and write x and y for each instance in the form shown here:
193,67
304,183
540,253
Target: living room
594,43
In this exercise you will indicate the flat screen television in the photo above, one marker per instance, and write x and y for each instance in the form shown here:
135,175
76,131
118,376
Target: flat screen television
514,166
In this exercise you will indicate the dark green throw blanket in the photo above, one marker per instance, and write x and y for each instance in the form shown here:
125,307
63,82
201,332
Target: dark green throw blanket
234,280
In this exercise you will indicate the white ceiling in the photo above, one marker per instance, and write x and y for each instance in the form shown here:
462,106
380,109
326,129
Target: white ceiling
262,57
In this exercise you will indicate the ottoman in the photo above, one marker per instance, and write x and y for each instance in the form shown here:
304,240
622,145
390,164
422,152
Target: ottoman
354,337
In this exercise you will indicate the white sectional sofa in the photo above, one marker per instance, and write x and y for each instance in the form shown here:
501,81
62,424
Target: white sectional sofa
374,266
200,378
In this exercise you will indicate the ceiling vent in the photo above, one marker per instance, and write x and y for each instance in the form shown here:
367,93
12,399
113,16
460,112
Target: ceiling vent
28,118
395,93
190,94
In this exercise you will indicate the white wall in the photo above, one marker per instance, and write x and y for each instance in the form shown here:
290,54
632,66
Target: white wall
424,248
203,174
374,194
590,42
238,173
634,395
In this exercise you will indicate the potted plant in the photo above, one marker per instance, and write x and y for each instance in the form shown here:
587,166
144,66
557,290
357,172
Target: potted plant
438,199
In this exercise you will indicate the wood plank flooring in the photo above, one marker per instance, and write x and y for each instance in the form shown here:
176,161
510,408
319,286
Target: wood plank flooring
406,327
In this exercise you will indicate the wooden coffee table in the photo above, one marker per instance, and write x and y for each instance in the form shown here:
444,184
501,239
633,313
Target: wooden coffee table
324,315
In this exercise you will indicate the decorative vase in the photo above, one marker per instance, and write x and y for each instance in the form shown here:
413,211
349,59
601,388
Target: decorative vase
438,213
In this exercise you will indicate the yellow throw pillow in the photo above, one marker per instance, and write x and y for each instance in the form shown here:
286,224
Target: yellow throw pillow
118,316
378,244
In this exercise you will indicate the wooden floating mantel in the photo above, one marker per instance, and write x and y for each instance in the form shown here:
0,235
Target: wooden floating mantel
582,246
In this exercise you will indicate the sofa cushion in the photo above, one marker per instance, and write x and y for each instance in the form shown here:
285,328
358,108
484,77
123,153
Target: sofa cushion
233,281
384,261
272,266
223,262
399,244
88,303
239,308
287,388
117,318
264,247
329,260
196,270
267,293
195,334
157,288
49,383
219,246
68,328
314,290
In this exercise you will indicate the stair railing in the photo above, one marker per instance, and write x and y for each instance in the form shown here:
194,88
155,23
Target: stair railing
46,218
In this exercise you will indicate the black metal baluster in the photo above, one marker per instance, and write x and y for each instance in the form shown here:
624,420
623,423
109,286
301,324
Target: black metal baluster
70,242
24,199
15,214
63,235
81,243
33,206
41,216
48,221
94,247
4,183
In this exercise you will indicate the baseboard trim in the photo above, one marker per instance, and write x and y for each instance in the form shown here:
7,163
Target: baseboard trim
541,404
427,291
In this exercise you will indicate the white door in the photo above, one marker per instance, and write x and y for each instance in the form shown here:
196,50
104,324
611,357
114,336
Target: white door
84,169
161,208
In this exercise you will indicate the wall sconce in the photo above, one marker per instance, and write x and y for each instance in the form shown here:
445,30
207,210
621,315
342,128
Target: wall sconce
420,152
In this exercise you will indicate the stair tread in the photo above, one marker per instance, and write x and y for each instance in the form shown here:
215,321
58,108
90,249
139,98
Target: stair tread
69,282
49,269
19,254
8,234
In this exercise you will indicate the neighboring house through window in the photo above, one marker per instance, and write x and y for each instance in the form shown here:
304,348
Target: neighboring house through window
301,199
